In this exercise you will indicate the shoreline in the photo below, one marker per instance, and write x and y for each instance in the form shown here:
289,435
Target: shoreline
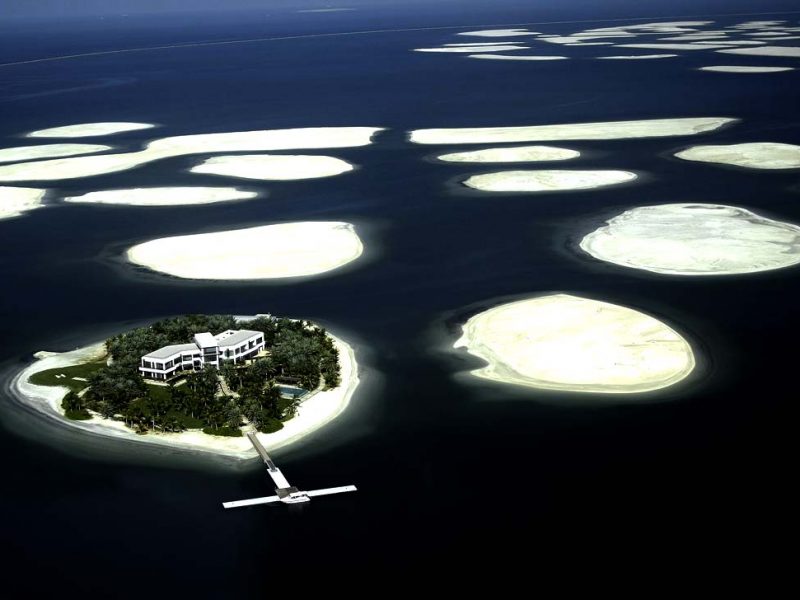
312,414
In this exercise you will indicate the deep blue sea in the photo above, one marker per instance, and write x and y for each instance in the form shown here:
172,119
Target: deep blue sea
455,476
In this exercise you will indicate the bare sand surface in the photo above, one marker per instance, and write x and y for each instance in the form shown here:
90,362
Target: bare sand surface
491,33
547,180
511,154
789,51
48,151
568,343
273,167
312,414
743,69
753,155
242,141
267,252
467,49
16,200
162,196
611,130
517,57
89,130
637,57
695,239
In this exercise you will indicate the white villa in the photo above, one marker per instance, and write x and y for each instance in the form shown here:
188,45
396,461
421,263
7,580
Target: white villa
231,345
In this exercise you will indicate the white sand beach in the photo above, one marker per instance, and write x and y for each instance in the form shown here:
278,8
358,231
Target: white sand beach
511,154
314,413
788,51
517,57
273,167
637,57
695,239
242,141
547,180
267,252
16,200
88,130
743,69
564,342
753,155
162,196
610,130
48,151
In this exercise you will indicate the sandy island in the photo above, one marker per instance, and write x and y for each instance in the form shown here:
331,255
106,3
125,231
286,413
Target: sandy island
790,51
48,151
637,57
688,46
460,49
313,413
695,239
162,196
511,154
89,130
267,252
547,180
241,141
518,57
16,200
754,155
273,167
739,69
563,342
499,33
610,130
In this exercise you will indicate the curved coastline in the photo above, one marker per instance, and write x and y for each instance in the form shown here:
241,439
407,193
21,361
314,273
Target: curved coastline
316,411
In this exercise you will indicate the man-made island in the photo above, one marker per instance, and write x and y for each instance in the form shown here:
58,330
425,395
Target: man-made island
199,382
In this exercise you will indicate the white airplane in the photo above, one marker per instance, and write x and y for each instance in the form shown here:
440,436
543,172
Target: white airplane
286,493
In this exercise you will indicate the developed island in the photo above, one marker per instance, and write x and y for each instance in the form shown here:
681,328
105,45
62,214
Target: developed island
568,343
200,381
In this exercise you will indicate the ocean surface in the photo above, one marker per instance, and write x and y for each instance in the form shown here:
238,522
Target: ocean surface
455,475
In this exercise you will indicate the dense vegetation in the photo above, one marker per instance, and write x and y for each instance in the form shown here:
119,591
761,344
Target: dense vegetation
299,353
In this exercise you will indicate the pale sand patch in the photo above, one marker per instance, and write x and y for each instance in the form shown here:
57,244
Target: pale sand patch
273,167
754,155
637,57
475,44
48,151
460,49
790,51
689,46
610,130
16,200
312,414
689,37
547,180
568,343
738,43
695,239
514,154
266,252
500,33
162,196
518,57
590,44
89,129
740,69
242,141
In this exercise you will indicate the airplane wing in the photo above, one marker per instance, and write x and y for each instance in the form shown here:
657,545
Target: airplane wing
251,502
336,490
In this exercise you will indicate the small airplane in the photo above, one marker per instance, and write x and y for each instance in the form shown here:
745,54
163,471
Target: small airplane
286,493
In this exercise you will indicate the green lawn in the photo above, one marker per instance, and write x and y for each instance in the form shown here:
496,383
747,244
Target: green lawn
49,378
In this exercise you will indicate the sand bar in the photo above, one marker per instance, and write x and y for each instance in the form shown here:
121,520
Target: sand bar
466,49
754,155
243,141
518,57
312,414
789,51
511,154
89,130
273,167
162,196
695,239
490,33
637,57
547,180
266,252
611,130
564,342
48,151
16,200
742,69
672,46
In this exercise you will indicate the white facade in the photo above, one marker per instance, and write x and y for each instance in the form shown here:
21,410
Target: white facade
229,346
